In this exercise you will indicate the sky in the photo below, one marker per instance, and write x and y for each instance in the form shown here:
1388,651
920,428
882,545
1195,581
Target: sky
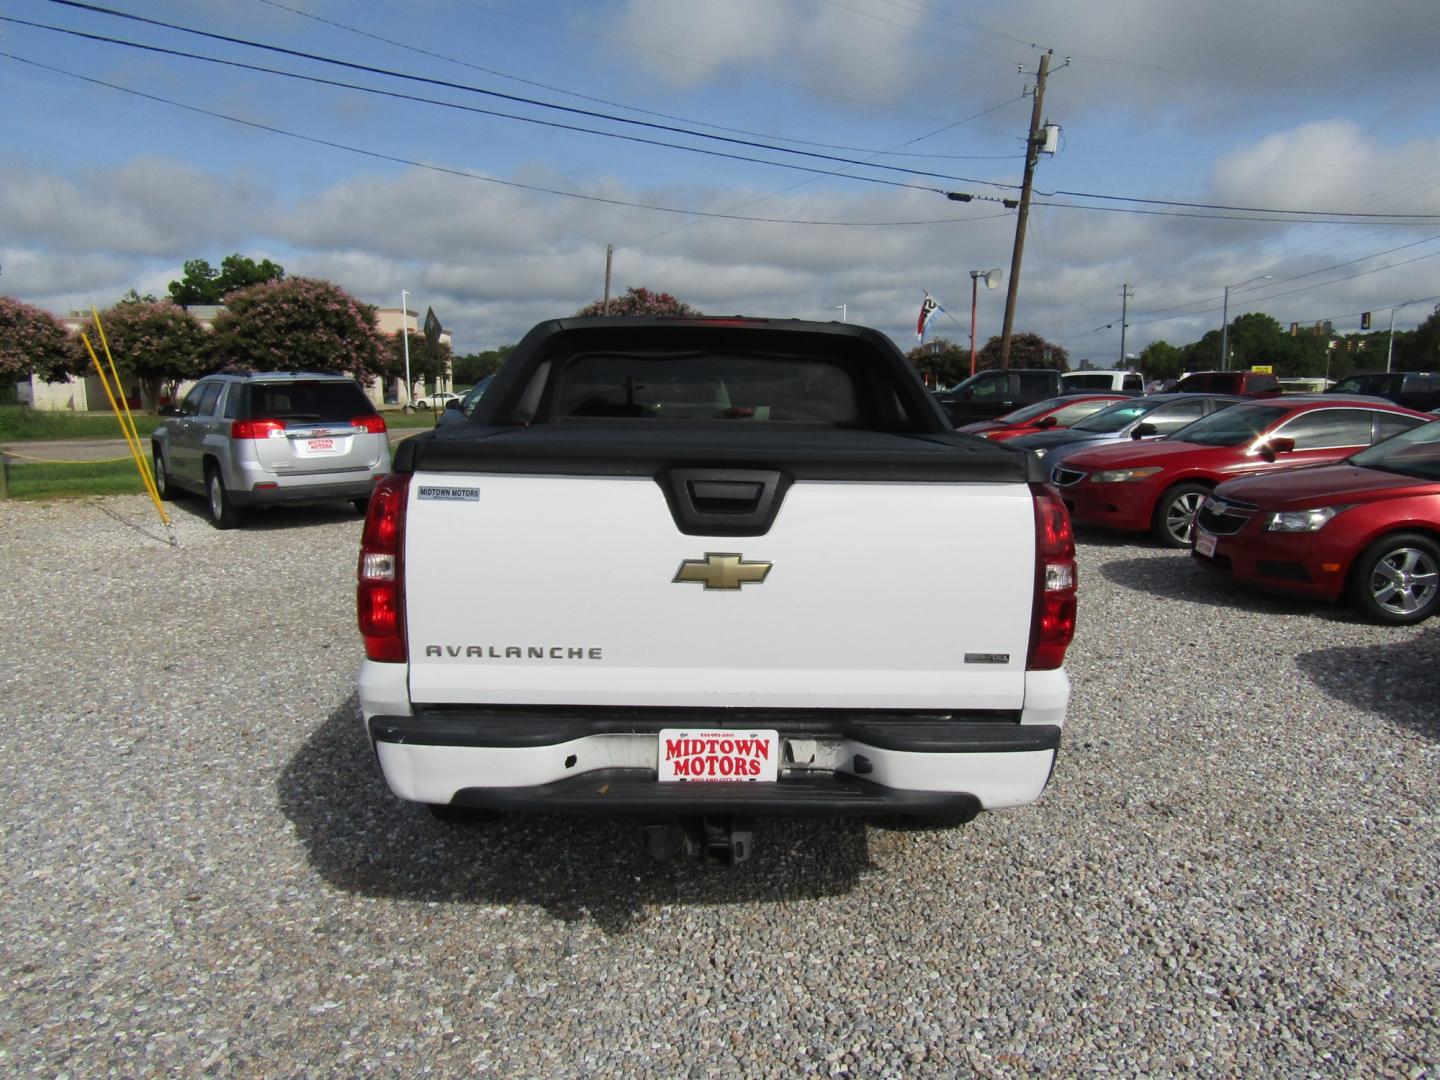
777,158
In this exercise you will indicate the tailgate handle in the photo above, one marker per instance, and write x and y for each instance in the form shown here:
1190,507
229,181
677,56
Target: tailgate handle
725,492
723,502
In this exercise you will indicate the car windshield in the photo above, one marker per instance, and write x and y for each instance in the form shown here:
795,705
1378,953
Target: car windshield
1117,417
1230,427
1414,453
1029,412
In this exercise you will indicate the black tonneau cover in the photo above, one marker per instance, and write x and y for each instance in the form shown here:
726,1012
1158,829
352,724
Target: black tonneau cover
650,449
920,446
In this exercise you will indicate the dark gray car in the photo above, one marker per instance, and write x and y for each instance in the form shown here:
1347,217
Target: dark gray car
1138,418
270,438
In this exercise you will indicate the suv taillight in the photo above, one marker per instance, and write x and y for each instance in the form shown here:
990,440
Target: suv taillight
380,594
1053,619
257,429
374,423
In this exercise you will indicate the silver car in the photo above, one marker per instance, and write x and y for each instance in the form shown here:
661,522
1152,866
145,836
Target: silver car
271,438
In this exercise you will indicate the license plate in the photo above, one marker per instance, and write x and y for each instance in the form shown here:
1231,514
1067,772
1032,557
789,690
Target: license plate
717,756
320,446
1204,544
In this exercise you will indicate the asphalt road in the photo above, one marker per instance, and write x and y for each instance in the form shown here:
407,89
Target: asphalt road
1233,873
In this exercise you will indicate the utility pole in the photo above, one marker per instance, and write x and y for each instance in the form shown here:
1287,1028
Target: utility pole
1126,291
609,255
1032,155
1390,349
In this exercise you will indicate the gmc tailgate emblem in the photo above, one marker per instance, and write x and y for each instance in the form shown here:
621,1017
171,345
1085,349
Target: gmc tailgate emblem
722,570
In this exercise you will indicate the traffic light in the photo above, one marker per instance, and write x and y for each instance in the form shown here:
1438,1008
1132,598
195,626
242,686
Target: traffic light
1365,320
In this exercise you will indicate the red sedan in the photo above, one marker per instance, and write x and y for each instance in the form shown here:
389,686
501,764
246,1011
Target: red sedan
1368,528
1042,416
1159,485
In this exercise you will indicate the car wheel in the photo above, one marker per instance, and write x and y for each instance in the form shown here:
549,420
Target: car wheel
1174,522
223,514
362,506
162,478
1396,580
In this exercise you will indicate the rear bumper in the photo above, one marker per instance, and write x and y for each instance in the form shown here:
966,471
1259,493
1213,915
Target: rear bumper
1123,507
294,489
606,764
1290,564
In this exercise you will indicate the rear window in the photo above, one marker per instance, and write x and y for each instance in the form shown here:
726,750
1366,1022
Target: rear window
307,399
1098,380
707,386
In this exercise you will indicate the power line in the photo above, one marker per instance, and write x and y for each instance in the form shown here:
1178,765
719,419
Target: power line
1240,217
77,4
620,104
468,175
802,183
443,83
636,47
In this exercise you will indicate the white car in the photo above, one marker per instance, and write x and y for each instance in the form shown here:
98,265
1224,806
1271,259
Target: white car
436,400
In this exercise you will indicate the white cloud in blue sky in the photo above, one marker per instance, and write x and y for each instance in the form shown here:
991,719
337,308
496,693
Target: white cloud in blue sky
1285,104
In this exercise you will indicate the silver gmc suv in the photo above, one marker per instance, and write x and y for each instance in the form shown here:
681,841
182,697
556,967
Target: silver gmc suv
271,438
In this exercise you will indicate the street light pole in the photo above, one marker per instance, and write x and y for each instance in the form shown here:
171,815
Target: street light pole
844,313
974,301
405,339
1225,320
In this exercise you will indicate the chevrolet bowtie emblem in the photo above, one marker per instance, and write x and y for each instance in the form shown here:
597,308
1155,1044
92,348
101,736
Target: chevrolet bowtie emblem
720,570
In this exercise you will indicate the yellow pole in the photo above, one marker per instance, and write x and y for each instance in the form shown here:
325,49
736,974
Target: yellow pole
127,421
134,452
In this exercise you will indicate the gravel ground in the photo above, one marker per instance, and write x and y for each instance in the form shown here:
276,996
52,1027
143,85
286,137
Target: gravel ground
1233,873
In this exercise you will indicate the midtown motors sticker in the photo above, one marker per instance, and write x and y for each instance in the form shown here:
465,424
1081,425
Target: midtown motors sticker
449,494
719,755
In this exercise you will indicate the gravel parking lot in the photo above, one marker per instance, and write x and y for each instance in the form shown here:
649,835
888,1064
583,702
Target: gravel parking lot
1234,871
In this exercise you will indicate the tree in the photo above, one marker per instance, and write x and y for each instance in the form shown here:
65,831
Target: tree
203,284
472,367
34,341
298,324
1026,351
1256,338
640,301
1418,349
940,362
1161,360
425,366
158,342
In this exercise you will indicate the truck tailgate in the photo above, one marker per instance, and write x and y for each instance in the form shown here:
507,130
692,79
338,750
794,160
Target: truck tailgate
556,590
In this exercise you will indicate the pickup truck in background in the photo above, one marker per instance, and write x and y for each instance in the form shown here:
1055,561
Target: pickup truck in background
988,394
700,570
1129,382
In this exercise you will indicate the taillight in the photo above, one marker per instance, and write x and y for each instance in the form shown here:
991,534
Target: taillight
374,423
257,429
1053,619
380,594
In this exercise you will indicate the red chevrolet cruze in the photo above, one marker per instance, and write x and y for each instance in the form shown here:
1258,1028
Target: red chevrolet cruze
1042,416
1159,485
1368,528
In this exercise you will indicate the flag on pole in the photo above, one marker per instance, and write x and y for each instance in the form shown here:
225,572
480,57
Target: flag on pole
927,313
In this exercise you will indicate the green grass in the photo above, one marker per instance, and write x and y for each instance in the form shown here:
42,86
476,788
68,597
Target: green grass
395,418
20,422
72,479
